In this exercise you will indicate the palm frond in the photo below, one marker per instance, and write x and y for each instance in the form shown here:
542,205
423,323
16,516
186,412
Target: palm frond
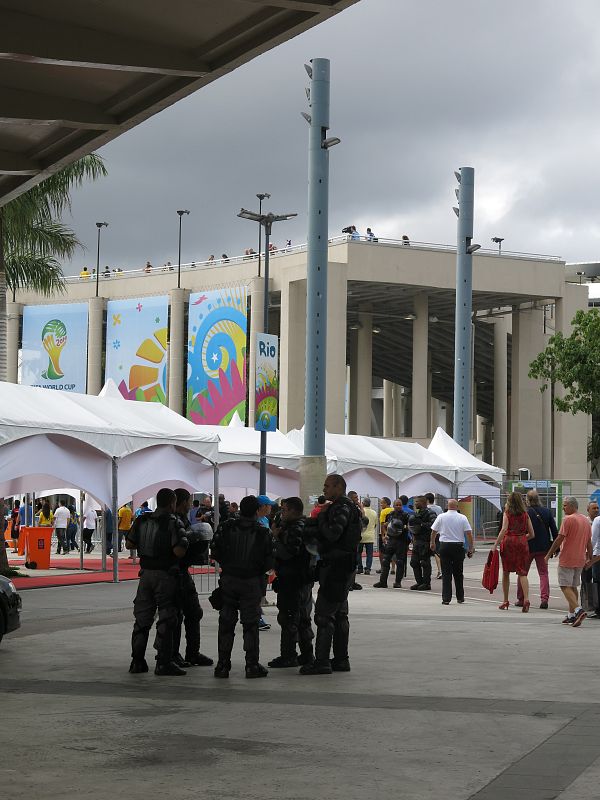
38,273
44,238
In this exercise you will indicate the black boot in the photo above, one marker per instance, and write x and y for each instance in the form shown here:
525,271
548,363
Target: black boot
256,671
169,669
138,666
222,669
321,664
282,663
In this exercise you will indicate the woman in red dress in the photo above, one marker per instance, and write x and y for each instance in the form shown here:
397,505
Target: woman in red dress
514,551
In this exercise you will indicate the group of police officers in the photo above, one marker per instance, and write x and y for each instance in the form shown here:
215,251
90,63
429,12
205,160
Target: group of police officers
245,550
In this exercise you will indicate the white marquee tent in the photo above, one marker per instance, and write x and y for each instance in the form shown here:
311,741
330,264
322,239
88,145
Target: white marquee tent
96,444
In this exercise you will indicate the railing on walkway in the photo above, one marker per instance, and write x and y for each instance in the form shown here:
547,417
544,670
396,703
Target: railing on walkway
217,263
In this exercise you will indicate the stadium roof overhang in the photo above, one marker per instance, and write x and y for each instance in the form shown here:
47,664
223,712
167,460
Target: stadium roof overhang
74,75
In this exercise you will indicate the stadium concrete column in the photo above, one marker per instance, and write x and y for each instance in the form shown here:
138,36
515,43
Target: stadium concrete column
364,382
95,342
571,431
257,301
398,403
14,312
388,409
500,393
292,360
177,348
526,411
353,387
420,371
337,305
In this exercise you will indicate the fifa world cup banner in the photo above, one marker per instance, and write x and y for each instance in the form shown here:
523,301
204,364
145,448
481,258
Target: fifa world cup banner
216,385
54,353
136,347
267,382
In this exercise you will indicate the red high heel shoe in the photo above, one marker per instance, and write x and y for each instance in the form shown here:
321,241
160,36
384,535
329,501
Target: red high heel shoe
504,605
526,605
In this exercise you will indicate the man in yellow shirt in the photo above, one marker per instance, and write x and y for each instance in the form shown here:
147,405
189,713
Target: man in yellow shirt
125,517
84,273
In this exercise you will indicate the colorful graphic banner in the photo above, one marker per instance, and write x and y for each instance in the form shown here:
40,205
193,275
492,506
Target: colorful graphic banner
54,354
266,382
216,386
136,347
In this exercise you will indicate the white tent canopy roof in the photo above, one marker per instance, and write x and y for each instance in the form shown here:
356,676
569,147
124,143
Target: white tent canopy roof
238,443
466,465
111,425
398,460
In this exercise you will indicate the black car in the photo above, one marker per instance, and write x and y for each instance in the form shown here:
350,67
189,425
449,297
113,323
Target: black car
10,606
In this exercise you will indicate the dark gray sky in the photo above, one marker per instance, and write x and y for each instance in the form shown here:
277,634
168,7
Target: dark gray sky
419,88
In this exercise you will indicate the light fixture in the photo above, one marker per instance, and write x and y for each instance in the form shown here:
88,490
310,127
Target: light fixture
376,329
331,142
355,326
472,248
433,318
409,316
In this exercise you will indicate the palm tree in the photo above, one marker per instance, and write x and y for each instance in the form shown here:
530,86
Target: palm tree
32,237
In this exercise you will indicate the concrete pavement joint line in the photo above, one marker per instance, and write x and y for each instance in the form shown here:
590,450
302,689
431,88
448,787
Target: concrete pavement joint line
149,686
547,770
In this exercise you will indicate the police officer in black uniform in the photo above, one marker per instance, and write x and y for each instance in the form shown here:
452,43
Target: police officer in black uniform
395,544
337,530
189,609
160,541
293,585
244,550
419,524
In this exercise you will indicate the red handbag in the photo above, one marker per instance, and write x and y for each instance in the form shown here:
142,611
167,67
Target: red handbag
491,571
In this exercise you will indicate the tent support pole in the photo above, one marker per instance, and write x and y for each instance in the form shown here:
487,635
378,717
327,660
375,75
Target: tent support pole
216,495
115,516
80,530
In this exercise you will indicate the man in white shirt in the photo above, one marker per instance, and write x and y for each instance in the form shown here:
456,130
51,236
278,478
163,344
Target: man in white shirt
62,515
452,527
89,526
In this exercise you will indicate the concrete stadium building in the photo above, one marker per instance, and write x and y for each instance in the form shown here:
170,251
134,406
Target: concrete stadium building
390,351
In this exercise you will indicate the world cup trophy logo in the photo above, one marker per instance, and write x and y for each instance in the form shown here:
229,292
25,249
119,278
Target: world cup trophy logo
54,338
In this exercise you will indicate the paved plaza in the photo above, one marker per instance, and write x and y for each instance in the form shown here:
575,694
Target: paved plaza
444,702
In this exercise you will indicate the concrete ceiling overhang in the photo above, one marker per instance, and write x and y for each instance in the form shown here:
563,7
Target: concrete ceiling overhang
74,74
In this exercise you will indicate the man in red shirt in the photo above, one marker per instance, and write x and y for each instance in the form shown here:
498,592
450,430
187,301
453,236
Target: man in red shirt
575,542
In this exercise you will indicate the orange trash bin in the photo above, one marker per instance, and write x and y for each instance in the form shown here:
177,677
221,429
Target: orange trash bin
38,546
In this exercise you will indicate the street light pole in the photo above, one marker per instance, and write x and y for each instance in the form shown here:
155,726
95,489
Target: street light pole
181,213
99,225
261,197
267,221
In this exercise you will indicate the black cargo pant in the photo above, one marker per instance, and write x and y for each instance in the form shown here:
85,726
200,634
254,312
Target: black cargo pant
398,548
294,602
452,556
189,613
421,561
241,595
157,591
331,613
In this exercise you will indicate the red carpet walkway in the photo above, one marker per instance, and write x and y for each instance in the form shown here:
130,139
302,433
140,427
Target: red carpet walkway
92,574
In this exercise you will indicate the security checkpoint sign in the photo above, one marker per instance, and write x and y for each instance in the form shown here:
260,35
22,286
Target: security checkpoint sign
266,382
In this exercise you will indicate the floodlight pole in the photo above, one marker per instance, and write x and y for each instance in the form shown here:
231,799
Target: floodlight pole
464,309
317,254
